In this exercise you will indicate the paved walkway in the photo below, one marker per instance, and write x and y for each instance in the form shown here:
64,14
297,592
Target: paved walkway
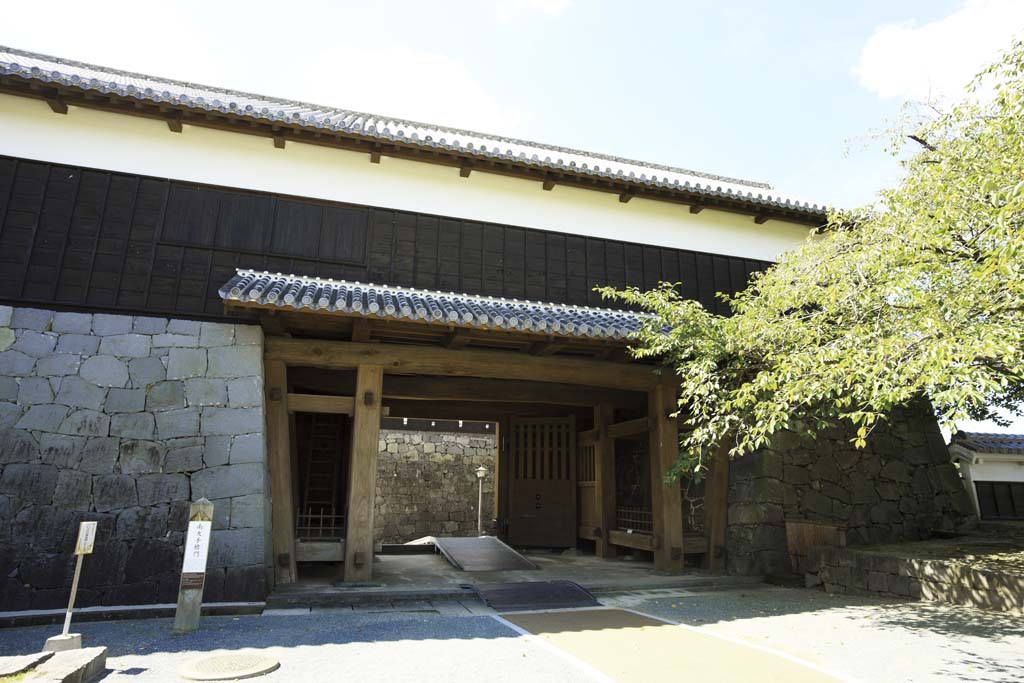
863,639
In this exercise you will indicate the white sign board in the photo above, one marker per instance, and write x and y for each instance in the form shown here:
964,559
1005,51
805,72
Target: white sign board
197,544
86,538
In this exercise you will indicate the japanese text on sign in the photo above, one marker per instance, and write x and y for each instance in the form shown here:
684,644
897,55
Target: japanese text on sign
197,544
86,538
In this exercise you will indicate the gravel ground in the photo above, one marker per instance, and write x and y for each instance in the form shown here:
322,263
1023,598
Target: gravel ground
863,638
379,647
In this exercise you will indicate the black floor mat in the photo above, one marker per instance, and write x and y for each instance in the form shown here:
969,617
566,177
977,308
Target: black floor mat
481,554
529,595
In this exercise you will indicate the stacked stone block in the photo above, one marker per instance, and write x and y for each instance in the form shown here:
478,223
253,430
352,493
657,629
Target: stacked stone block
844,570
427,484
902,486
125,420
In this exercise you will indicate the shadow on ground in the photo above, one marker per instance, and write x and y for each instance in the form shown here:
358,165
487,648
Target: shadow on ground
138,637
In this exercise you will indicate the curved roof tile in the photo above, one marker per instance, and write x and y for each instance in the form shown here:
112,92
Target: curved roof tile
55,70
443,308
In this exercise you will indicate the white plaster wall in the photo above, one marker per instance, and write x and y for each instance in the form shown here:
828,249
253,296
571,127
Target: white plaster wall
997,471
131,144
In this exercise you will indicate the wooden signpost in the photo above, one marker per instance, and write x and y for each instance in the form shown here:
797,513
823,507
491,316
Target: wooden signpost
193,567
83,546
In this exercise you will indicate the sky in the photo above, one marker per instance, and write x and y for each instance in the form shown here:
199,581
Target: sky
790,92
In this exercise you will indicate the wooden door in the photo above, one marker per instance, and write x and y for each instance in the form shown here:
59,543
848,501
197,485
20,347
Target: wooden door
542,482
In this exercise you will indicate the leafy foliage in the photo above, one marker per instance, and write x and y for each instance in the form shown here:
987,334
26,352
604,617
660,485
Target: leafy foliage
921,295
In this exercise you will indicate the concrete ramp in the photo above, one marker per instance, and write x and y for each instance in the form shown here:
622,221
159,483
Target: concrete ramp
481,554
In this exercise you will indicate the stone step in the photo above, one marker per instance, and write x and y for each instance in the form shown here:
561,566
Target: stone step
71,666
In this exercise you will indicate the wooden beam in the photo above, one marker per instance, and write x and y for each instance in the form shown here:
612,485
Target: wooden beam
174,121
457,339
362,329
405,359
640,425
762,219
604,478
272,325
279,141
375,154
57,105
314,403
666,499
470,389
648,542
696,208
546,348
478,412
280,466
363,473
464,171
548,185
625,197
716,505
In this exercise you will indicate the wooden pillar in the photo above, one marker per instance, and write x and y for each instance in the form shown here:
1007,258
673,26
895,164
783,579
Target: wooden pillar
667,500
716,504
279,461
604,477
363,473
501,484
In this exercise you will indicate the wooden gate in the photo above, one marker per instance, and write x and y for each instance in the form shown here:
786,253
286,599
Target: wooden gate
542,482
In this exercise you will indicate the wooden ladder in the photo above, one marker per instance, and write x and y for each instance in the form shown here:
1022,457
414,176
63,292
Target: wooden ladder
320,495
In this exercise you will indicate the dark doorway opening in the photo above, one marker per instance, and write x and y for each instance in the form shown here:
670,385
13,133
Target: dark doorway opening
322,442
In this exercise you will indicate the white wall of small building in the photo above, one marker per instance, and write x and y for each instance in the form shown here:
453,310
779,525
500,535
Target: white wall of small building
116,142
1003,468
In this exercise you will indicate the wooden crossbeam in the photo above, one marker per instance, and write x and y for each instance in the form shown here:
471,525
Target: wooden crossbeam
430,389
696,208
58,106
362,329
457,339
760,220
427,360
315,403
546,348
640,425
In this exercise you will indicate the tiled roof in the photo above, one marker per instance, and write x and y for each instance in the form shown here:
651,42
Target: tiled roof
442,308
982,442
89,77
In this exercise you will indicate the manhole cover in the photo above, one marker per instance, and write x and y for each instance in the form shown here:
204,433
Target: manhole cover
228,667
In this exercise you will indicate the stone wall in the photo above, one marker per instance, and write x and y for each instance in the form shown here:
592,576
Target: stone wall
900,487
427,485
845,570
124,420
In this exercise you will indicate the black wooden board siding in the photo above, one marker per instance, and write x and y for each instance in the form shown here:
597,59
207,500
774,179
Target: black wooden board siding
77,237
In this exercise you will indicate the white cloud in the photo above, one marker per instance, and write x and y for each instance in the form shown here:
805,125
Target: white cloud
510,9
936,60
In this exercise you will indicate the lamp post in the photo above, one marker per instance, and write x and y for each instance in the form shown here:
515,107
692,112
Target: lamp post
481,472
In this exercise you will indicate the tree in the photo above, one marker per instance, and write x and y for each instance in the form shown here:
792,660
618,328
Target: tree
921,295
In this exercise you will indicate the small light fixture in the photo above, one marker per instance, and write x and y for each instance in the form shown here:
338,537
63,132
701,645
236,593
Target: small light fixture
460,424
481,472
405,420
433,424
487,426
